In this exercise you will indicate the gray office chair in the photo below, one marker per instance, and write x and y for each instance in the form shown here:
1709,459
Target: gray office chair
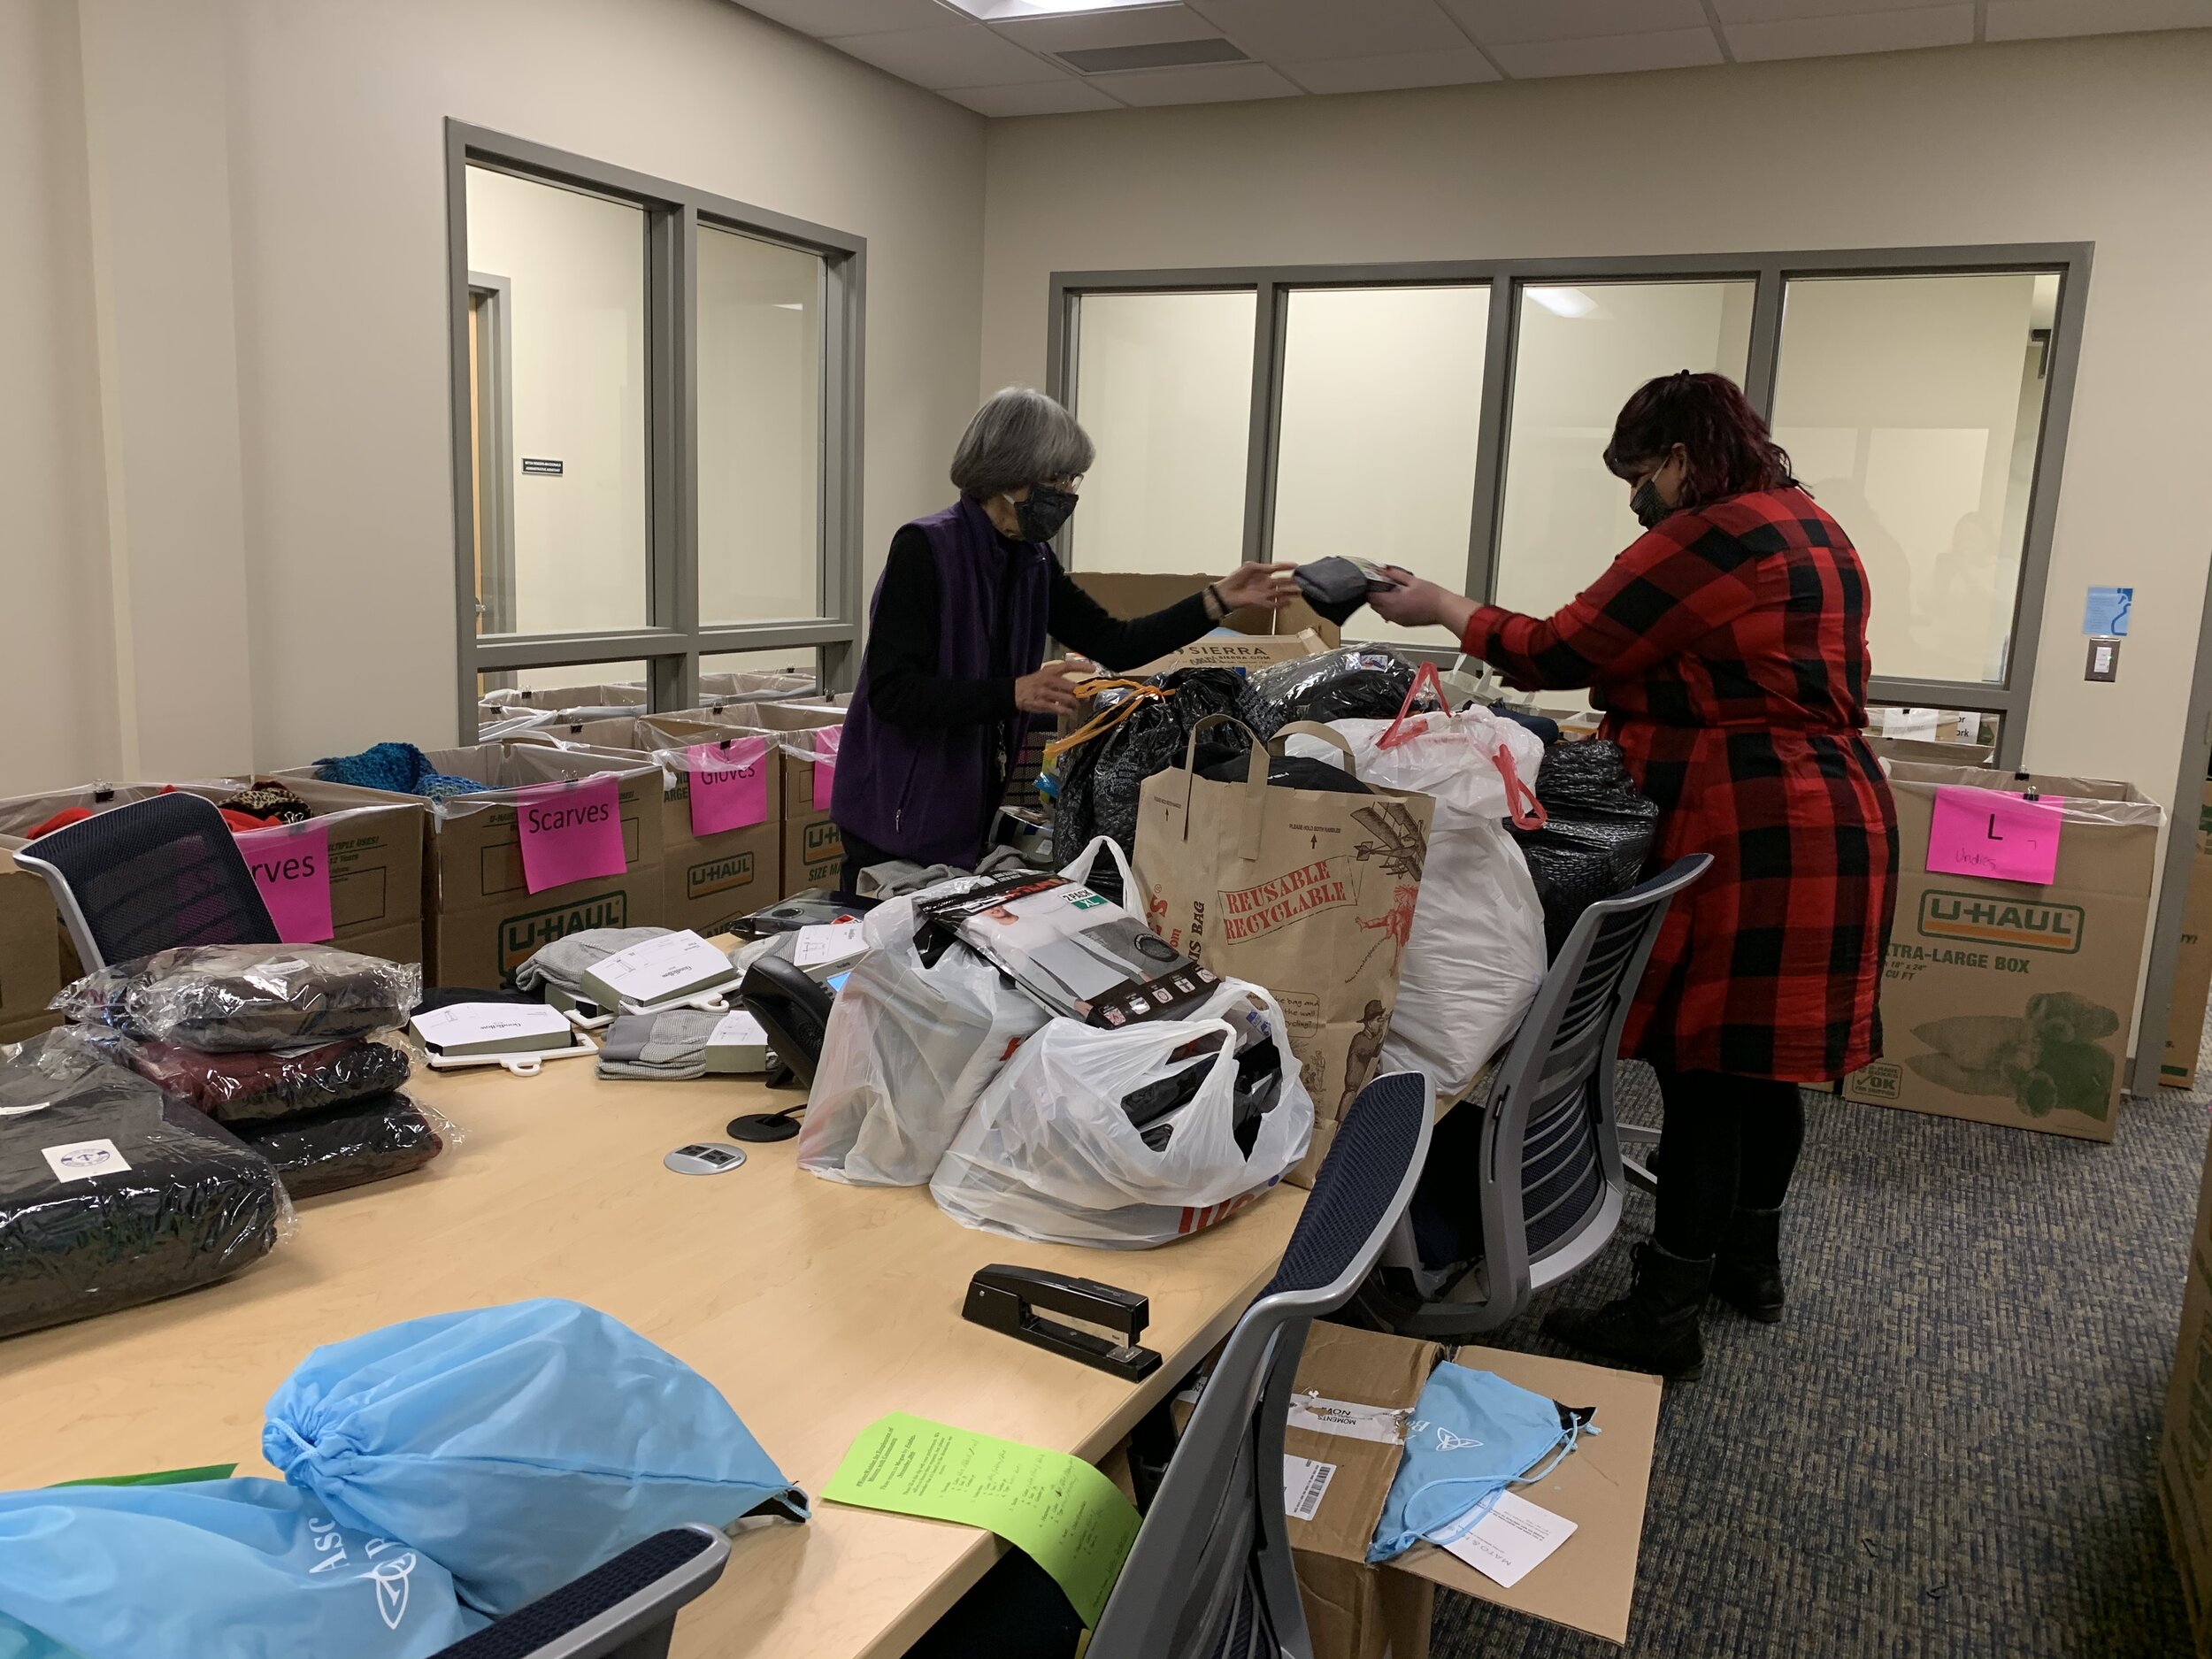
1525,1181
1210,1576
623,1609
149,876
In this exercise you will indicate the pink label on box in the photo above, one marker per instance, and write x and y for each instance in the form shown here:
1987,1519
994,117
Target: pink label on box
729,785
571,832
1996,836
825,741
291,866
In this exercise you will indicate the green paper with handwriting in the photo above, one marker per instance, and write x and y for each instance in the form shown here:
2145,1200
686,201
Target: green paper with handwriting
1072,1521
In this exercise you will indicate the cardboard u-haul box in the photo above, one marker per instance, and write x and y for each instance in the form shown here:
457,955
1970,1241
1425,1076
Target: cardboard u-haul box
375,848
2185,1451
813,852
2007,1001
1335,1493
1139,592
711,880
2192,968
30,954
481,920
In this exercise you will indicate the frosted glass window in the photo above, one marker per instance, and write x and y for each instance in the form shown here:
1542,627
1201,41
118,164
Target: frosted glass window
573,359
1164,385
1912,407
1581,352
760,429
1382,401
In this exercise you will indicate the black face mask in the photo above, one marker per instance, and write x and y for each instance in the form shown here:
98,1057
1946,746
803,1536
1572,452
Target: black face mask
1646,505
1041,516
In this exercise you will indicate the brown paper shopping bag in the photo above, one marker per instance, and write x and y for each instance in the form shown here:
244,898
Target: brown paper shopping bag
1308,892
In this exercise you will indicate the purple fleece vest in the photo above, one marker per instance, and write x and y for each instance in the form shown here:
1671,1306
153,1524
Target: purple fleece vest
921,793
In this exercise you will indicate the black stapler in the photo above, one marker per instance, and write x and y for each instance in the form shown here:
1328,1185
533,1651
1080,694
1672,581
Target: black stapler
1005,1298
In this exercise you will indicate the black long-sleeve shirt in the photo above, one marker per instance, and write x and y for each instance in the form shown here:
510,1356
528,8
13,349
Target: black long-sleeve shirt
904,686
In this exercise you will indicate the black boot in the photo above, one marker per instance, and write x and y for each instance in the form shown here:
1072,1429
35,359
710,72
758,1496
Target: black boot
1654,1327
1747,1274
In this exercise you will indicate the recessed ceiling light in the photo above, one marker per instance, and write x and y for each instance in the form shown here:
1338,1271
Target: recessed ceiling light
789,306
1563,301
1006,10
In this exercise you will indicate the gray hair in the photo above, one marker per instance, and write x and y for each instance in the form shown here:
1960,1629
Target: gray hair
1019,436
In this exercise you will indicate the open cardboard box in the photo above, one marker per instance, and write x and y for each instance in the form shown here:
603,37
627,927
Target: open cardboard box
813,851
1127,594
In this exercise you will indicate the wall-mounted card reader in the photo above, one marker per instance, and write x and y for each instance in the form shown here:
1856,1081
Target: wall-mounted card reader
1006,1298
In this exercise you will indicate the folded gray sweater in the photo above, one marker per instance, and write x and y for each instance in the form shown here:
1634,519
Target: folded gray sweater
671,1044
565,961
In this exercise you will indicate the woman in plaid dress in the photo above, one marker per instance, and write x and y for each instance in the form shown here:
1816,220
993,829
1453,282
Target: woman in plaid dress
1727,646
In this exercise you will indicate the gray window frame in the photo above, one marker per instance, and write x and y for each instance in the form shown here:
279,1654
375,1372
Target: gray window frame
671,645
1770,272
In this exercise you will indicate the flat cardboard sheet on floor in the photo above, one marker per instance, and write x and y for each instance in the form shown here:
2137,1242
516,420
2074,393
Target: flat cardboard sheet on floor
2184,1454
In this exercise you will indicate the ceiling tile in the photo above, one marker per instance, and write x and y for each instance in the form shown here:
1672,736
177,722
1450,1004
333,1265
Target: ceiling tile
1215,83
1831,37
1143,25
1063,96
1615,54
824,18
1504,22
1392,70
1775,11
2040,19
1286,31
971,56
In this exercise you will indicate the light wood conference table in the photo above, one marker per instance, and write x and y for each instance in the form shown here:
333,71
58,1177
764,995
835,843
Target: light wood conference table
816,1307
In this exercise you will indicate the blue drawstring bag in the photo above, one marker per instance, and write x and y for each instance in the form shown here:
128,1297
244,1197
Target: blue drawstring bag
1472,1435
247,1568
521,1446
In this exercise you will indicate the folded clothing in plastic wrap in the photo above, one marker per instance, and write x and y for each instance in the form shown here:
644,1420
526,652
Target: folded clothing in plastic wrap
351,1144
518,1445
242,1088
237,999
1359,682
111,1194
1600,833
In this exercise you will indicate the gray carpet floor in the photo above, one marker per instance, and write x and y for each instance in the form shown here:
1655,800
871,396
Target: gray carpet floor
1947,1448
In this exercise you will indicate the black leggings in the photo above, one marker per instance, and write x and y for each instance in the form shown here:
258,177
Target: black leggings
1729,1143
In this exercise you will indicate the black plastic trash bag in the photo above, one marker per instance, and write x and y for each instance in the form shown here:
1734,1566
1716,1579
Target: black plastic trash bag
1100,778
1290,772
1600,833
1354,683
111,1194
350,1146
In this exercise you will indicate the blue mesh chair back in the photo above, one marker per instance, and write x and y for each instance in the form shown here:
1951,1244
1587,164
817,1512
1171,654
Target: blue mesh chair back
1210,1575
149,876
1532,1158
624,1608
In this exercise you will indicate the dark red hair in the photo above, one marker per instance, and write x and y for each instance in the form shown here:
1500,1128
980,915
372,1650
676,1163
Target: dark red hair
1729,451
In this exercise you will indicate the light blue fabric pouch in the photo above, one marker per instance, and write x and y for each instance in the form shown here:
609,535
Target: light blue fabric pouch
521,1446
1472,1435
247,1568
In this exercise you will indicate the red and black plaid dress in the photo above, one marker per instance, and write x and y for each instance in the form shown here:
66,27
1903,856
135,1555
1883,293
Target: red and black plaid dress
1728,649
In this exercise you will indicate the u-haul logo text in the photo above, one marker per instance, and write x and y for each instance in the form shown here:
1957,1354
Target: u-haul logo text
718,875
1986,920
1248,912
521,937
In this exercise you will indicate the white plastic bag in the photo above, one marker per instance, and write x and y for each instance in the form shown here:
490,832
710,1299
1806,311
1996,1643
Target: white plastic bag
1476,954
1049,1153
907,1049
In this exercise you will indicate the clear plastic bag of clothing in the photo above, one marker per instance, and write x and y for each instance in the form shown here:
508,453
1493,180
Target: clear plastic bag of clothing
1357,682
907,1049
1475,954
518,1445
212,1567
351,1144
111,1194
1135,731
245,1088
235,999
1131,1138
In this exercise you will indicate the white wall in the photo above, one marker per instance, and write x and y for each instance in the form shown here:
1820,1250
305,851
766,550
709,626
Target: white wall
2104,140
262,186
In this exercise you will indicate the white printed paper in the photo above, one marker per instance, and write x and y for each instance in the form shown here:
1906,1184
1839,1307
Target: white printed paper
80,1160
489,1022
1510,1541
1386,1425
661,967
1909,723
827,941
739,1030
1305,1483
